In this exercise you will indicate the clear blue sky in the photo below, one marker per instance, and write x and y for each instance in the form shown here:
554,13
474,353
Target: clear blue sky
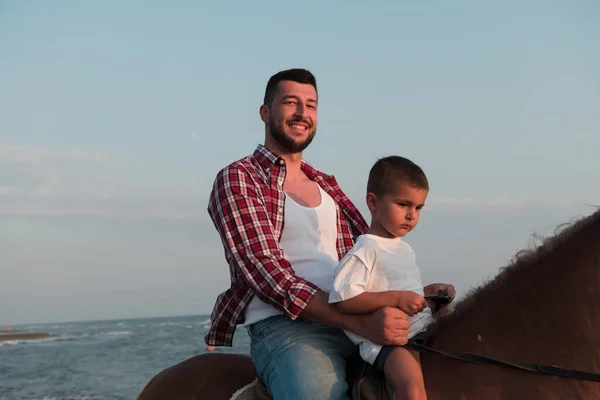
115,117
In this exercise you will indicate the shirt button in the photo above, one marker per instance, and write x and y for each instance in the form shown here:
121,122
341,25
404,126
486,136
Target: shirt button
281,162
280,209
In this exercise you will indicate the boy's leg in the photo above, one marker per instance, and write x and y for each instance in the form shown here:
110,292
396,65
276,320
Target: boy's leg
301,359
402,368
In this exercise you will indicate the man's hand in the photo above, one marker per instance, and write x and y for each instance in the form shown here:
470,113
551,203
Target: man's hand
433,288
386,326
410,302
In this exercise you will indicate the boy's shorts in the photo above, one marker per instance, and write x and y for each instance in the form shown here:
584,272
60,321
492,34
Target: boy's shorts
385,352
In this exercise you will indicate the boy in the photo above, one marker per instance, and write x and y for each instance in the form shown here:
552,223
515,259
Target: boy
380,270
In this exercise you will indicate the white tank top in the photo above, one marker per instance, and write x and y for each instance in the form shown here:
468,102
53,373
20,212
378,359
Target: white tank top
308,240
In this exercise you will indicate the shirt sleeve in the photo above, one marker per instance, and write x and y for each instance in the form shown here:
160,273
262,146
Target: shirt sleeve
242,220
351,278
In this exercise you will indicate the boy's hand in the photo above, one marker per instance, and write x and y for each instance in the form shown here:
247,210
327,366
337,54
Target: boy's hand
434,288
410,302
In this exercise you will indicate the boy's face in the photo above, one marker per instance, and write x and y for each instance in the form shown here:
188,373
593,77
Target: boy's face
397,212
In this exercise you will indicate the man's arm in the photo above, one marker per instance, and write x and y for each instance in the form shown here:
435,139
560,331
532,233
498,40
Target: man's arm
244,225
386,326
367,302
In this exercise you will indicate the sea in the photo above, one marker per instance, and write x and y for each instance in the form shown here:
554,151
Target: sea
100,360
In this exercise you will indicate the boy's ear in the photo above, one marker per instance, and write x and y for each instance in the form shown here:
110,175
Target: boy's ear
372,201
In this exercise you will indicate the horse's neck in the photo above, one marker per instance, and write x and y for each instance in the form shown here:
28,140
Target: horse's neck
552,304
547,313
541,313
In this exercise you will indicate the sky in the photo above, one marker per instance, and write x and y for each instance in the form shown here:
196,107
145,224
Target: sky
116,116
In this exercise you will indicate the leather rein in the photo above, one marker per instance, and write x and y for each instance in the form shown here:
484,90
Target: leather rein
479,359
443,298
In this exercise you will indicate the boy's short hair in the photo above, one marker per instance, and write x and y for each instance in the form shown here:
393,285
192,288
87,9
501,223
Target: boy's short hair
390,171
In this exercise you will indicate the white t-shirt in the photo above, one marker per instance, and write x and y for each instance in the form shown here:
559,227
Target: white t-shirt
308,241
377,264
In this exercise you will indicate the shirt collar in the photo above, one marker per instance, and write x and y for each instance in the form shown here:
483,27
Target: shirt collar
268,159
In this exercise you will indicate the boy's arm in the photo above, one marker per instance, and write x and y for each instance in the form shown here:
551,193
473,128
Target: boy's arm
350,288
406,300
351,282
367,302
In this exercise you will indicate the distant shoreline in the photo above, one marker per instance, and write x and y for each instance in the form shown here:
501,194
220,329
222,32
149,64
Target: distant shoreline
6,336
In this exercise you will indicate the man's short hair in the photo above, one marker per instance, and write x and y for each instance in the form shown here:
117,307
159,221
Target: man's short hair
295,74
391,171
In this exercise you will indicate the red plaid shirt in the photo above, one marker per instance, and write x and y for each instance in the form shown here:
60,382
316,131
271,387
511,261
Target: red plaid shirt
246,205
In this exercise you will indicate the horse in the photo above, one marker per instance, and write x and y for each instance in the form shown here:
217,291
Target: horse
541,308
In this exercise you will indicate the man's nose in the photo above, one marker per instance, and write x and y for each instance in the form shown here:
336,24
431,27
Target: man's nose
301,110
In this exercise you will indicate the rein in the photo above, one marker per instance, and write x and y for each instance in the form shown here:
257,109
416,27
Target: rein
479,359
442,298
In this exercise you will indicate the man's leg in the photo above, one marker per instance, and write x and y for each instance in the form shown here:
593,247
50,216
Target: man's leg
301,359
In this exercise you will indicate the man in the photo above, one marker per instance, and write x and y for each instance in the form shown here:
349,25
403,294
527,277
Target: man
284,227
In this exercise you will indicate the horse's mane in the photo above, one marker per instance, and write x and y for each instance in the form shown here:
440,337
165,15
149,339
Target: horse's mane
522,260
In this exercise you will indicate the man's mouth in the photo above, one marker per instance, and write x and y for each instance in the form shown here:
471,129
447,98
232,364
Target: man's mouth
298,127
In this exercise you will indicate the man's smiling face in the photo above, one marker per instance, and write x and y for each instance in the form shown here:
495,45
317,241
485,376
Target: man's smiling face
292,116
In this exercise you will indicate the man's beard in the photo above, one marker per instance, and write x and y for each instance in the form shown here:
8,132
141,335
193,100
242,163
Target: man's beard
286,142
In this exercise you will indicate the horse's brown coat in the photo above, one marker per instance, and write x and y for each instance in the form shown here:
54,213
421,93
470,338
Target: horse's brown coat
543,309
205,376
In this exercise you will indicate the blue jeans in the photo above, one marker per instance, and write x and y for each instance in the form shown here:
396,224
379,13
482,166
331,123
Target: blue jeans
300,359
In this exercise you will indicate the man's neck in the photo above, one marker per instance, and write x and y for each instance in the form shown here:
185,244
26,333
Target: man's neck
293,163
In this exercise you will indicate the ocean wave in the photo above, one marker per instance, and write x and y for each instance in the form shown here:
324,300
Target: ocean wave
116,333
96,334
66,337
84,335
32,341
169,323
72,398
58,398
206,323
